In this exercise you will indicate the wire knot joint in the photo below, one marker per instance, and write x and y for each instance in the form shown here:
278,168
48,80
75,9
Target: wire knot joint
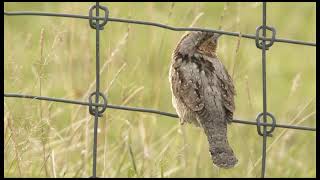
259,44
93,23
273,125
94,108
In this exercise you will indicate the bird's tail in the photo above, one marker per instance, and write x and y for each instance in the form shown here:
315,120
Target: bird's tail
221,153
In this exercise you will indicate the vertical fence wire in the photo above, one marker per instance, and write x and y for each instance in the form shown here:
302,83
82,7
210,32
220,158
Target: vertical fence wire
264,87
96,118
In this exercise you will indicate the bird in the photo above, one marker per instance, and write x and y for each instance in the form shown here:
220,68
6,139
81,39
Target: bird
203,92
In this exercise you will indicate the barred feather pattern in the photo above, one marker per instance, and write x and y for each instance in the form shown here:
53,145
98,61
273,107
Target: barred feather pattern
203,93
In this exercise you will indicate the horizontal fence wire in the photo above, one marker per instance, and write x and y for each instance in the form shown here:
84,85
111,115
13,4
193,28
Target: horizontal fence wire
249,36
98,113
147,110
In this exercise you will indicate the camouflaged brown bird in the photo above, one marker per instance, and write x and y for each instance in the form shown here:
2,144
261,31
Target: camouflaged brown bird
203,92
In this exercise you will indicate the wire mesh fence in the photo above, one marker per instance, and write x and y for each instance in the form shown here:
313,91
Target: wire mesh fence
97,109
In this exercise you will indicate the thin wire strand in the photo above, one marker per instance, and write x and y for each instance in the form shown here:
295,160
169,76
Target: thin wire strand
96,117
264,91
236,34
147,110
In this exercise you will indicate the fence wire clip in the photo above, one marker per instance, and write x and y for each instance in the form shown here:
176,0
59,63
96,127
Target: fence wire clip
268,132
92,23
273,37
92,110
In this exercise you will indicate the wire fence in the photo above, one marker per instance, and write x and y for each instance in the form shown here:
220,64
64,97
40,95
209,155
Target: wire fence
97,109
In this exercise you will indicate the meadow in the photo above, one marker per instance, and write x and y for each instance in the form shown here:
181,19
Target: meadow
55,57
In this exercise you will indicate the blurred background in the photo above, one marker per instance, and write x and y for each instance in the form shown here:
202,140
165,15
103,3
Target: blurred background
55,57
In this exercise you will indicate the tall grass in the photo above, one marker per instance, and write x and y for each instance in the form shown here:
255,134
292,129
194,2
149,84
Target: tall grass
45,139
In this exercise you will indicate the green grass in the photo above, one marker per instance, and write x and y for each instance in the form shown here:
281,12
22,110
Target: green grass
47,139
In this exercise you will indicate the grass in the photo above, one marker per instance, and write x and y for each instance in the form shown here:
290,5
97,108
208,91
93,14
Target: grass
56,57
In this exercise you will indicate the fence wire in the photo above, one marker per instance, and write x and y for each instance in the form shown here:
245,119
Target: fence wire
97,109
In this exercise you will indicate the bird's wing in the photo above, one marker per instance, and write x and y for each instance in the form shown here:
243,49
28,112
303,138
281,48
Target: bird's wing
188,86
226,85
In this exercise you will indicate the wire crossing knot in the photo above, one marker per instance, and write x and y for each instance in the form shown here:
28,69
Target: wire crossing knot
273,125
273,37
92,109
92,23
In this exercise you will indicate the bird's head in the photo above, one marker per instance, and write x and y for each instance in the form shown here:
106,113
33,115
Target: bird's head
203,42
209,43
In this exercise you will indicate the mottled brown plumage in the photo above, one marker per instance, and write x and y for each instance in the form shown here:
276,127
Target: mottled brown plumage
203,92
